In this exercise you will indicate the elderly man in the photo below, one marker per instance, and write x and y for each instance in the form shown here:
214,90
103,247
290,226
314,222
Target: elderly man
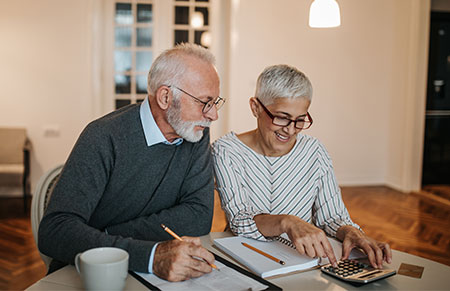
142,166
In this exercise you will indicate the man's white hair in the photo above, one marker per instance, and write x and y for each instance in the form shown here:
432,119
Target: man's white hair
169,67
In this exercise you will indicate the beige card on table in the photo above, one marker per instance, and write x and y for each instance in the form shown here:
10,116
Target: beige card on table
410,270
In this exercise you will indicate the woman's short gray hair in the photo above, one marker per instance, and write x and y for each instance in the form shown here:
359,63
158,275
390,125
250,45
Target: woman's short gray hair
169,67
282,81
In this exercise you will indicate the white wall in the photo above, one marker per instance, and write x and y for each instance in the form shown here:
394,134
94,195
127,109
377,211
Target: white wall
360,74
368,76
408,94
45,74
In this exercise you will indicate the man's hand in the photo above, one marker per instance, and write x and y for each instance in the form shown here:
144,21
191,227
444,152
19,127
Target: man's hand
309,239
181,260
375,251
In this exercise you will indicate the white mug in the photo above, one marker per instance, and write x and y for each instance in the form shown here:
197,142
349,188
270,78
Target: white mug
103,268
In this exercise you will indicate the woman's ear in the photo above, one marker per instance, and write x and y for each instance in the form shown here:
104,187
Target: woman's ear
163,97
254,106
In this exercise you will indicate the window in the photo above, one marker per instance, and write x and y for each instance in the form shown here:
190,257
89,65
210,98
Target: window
191,22
132,34
133,50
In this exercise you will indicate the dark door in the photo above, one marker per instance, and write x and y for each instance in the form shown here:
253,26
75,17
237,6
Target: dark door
436,158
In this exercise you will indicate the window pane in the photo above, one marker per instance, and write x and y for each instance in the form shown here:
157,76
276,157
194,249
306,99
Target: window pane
143,61
123,13
144,13
139,100
144,36
204,11
181,36
122,61
141,84
201,0
122,84
181,15
123,36
122,102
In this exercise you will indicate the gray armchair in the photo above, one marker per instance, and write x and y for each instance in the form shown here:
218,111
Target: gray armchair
15,162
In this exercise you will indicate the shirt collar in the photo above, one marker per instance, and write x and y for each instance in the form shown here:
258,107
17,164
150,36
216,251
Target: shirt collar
153,134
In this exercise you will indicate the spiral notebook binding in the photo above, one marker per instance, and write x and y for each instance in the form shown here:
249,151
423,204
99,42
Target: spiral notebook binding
285,241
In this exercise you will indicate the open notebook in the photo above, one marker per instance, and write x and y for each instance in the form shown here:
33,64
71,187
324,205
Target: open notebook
281,249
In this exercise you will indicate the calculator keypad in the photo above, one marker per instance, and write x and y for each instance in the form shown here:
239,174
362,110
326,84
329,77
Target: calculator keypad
347,267
356,271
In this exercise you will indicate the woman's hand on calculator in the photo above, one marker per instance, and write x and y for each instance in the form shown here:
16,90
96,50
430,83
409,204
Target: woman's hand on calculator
376,252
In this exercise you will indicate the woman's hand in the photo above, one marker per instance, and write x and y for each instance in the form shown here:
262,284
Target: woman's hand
376,252
308,239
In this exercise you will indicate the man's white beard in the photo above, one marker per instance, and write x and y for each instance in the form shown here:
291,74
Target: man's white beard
185,129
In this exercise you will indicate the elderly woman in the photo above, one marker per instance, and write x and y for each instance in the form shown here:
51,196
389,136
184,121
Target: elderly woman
274,179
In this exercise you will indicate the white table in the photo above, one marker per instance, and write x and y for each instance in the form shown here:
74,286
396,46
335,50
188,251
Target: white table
435,276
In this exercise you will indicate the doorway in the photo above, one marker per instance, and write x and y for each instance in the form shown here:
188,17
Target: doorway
436,157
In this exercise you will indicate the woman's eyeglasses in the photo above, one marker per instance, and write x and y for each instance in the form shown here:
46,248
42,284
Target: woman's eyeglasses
304,122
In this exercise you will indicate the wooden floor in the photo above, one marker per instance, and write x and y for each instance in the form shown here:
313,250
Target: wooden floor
20,263
414,223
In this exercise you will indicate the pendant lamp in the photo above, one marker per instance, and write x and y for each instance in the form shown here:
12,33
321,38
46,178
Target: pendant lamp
196,20
324,13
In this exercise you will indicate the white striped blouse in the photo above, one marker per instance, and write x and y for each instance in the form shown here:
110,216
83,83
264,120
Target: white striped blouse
300,183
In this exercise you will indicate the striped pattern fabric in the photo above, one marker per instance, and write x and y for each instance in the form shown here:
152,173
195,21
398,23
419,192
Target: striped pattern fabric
300,183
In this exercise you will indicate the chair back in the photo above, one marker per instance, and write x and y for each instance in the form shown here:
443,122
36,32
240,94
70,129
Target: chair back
12,144
40,201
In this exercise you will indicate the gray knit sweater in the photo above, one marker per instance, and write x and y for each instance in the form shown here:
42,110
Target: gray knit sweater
113,181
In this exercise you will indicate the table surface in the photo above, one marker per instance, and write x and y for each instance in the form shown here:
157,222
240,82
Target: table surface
435,276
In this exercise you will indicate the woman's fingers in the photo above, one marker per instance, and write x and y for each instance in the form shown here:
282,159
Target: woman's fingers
387,253
315,244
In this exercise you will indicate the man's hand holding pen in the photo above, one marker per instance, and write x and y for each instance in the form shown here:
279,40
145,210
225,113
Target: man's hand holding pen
175,260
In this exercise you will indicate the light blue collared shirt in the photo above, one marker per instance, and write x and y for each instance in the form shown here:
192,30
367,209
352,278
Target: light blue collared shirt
153,135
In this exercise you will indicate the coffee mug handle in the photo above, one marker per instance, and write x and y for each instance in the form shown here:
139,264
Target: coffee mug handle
77,262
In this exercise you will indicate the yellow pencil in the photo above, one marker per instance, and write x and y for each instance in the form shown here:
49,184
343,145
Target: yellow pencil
263,253
169,231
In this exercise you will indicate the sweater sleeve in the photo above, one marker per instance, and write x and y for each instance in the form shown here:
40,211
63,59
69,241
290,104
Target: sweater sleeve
193,213
233,194
64,230
330,212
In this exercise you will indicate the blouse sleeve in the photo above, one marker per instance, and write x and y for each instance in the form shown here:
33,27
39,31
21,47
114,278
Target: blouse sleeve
329,210
233,193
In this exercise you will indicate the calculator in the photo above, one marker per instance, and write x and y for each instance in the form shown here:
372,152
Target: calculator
357,271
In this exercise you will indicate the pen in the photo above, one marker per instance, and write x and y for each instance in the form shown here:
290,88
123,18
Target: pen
169,231
263,253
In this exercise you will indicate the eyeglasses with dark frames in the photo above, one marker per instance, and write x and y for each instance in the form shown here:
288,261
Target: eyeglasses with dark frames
218,101
304,122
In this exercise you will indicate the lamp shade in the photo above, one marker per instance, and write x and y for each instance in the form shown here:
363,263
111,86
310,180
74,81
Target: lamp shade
206,39
197,20
324,13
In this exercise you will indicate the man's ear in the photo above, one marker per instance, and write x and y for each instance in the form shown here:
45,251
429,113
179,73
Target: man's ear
253,106
163,97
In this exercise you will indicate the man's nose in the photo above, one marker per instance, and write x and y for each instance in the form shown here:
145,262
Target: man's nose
212,113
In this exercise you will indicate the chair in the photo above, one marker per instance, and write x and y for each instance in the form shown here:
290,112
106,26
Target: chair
40,201
220,222
15,162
